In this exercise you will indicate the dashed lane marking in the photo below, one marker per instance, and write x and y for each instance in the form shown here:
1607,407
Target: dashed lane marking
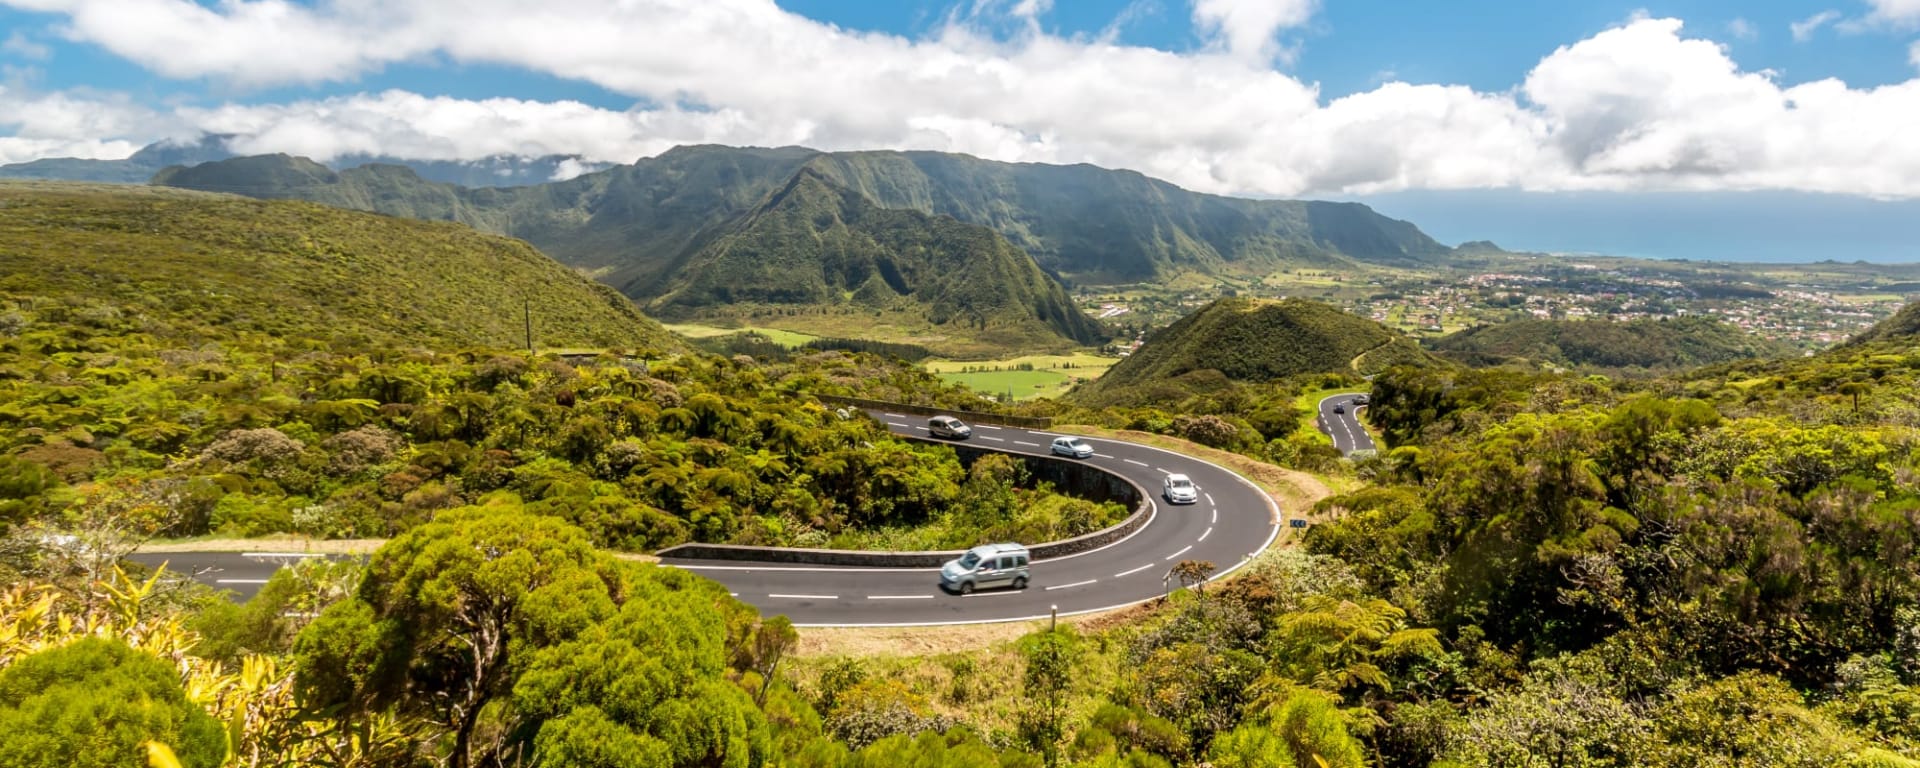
1209,498
281,554
1164,470
806,597
1131,461
898,424
897,415
1183,550
1023,442
988,426
899,597
1134,571
239,581
1216,515
1204,534
1102,455
995,439
993,594
1071,586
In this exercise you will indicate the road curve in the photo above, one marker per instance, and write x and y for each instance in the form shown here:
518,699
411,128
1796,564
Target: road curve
1232,521
1345,428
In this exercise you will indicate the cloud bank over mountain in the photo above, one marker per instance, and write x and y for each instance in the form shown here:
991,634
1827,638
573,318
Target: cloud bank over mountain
1644,105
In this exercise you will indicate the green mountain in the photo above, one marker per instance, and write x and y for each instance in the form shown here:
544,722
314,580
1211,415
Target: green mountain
634,224
1644,344
1904,325
816,244
181,264
1257,340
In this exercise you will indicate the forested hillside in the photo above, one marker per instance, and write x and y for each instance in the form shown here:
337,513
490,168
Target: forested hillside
191,268
1253,340
1085,224
1599,344
816,246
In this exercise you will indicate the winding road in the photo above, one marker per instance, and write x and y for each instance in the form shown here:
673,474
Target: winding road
1345,428
1232,521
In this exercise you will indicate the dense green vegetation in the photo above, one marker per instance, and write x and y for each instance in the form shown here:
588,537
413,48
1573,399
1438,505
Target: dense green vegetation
1604,345
1250,340
1715,567
1087,224
194,268
820,247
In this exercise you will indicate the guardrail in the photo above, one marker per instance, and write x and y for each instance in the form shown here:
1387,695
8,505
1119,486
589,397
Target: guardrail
1071,477
1024,422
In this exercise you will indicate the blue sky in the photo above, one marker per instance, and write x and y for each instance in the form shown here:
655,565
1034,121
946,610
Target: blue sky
1442,112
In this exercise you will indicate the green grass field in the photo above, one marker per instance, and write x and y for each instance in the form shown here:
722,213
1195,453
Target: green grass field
789,339
1050,375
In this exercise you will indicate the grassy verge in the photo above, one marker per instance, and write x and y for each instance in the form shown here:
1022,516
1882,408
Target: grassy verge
1026,376
788,339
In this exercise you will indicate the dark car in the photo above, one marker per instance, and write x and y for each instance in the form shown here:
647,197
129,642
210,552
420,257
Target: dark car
1339,409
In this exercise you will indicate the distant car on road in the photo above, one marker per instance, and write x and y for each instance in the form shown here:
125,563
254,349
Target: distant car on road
1072,446
1339,409
1360,400
1179,489
948,427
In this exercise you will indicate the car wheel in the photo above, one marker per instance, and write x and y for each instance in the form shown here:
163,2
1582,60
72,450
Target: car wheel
1020,582
966,587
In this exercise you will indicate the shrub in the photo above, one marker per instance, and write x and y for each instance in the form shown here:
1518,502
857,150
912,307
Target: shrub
94,704
265,446
358,449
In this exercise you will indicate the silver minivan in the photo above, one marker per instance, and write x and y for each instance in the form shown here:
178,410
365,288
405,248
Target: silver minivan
987,565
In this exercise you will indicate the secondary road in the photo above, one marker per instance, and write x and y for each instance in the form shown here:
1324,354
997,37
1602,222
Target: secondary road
1232,521
242,572
1345,428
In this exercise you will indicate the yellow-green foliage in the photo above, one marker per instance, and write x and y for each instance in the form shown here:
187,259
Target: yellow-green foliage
169,262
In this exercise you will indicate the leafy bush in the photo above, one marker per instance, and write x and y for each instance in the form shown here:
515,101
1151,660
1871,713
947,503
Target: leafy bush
94,703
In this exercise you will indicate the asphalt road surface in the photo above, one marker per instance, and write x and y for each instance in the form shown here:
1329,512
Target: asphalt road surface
1345,429
1232,521
242,572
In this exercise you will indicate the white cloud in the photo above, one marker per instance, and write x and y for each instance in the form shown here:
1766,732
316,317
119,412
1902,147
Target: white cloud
1896,11
1246,28
19,44
1803,29
1741,29
1639,106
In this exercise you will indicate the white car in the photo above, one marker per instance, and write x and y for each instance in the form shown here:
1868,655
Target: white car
1179,489
1072,446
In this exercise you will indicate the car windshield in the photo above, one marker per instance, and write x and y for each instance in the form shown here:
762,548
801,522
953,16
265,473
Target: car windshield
1077,444
1180,482
969,560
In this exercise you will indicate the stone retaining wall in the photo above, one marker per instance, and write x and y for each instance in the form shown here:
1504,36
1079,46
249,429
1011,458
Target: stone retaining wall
1073,478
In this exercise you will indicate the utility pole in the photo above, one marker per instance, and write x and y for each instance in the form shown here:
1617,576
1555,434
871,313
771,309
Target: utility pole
529,316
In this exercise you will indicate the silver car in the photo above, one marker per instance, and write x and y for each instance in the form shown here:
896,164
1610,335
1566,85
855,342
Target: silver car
1072,446
1179,489
987,565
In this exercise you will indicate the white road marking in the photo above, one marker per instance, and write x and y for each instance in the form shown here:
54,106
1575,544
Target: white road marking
1216,514
923,429
899,597
995,439
1071,586
1183,550
281,554
807,597
1134,571
1164,470
1023,442
898,424
1102,455
1209,498
1131,461
239,581
988,426
1206,533
992,594
897,415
